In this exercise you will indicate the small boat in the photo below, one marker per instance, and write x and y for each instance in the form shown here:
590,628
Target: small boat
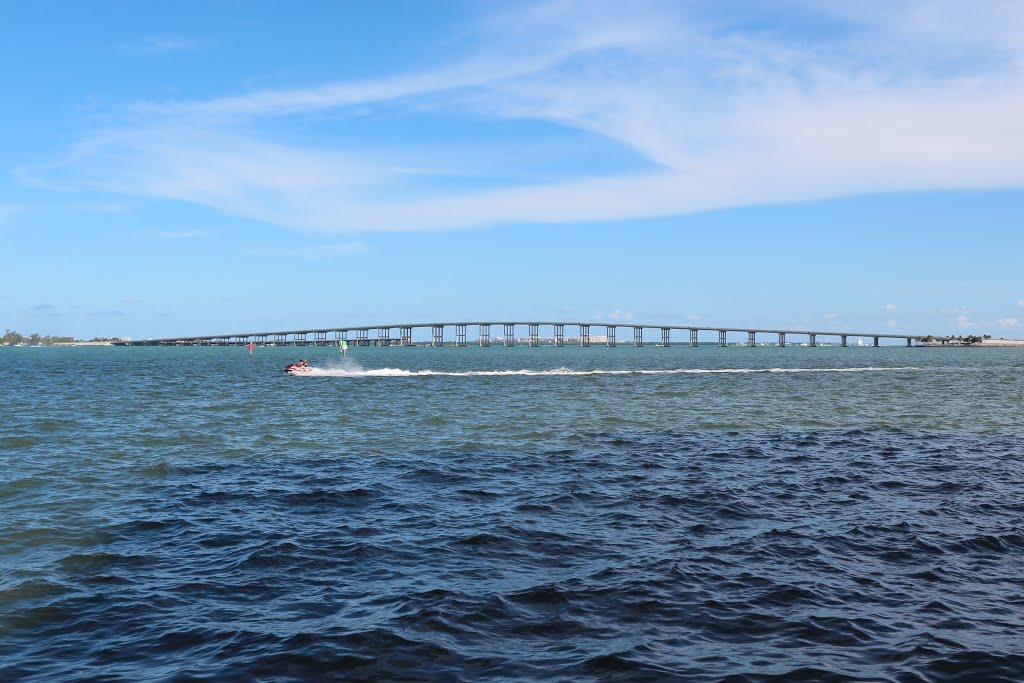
297,369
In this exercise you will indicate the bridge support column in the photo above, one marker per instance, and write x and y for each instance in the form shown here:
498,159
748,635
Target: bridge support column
460,335
362,337
280,339
638,337
261,339
693,338
484,334
610,332
383,336
559,335
534,334
319,339
437,335
405,336
584,335
300,339
842,340
665,337
814,340
721,338
751,341
510,335
876,341
908,342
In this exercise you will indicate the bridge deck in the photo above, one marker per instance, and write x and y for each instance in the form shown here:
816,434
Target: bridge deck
342,332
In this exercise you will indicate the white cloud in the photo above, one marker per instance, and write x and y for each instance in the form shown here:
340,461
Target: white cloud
830,316
716,117
1020,304
888,307
1008,322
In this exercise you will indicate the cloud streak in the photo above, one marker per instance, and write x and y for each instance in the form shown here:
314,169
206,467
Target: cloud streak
712,116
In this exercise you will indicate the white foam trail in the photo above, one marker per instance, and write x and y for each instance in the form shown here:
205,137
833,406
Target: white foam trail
354,370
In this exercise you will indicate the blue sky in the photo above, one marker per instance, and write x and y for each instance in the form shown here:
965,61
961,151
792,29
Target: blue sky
208,167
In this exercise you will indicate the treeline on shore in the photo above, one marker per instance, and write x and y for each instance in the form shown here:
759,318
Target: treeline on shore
962,340
12,338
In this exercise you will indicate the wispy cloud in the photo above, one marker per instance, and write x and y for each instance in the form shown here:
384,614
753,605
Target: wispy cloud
327,250
956,310
923,95
158,45
1008,322
888,307
177,234
7,210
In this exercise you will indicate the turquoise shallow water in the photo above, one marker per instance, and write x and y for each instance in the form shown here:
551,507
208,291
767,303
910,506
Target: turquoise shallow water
553,513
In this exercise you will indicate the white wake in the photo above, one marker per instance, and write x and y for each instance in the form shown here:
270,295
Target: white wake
350,368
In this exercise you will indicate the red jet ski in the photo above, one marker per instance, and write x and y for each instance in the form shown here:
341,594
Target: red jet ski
298,368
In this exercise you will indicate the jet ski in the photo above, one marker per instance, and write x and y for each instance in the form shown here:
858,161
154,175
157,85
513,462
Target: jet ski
298,368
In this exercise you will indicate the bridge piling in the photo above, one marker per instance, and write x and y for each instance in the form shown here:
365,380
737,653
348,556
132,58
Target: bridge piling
405,336
665,337
751,341
721,338
638,337
484,334
534,334
559,335
693,338
437,335
814,339
510,335
460,335
584,335
609,332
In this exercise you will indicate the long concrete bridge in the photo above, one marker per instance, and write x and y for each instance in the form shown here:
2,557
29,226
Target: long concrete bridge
384,335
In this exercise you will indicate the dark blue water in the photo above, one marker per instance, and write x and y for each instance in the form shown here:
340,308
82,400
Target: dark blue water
512,514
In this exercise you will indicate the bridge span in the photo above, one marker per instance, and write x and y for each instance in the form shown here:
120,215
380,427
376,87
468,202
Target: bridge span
383,335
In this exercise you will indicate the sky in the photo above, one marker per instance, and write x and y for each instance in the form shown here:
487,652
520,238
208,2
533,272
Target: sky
204,167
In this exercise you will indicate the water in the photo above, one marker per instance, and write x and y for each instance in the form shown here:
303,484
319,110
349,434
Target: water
737,514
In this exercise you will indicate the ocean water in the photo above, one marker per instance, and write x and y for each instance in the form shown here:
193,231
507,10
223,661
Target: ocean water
665,514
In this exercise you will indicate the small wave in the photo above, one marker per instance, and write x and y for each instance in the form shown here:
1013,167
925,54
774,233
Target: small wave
566,372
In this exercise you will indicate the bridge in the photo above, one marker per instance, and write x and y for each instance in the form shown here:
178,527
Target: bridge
384,335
